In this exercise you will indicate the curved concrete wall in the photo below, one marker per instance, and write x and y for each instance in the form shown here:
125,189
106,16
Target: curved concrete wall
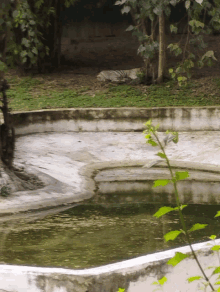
117,119
201,187
135,275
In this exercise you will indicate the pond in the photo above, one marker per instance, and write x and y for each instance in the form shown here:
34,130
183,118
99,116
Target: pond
90,235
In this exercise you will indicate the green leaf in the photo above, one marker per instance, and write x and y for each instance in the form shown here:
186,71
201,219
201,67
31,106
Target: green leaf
191,279
125,9
162,281
199,1
181,207
23,53
121,289
34,50
162,211
173,28
177,259
30,55
212,237
131,27
216,271
32,22
209,54
172,235
217,283
148,123
181,175
181,78
187,4
215,247
161,182
155,283
197,226
217,214
15,13
152,142
25,42
162,155
157,127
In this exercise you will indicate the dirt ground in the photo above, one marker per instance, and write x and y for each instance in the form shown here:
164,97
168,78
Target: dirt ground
120,53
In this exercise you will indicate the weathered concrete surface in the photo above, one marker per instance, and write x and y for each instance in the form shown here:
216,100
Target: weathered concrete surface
72,163
67,161
135,275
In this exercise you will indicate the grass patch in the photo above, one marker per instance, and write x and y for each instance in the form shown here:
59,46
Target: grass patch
27,93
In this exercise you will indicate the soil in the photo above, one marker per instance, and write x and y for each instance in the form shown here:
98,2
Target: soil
116,54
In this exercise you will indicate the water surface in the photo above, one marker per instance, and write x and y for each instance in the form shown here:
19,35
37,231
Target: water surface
90,235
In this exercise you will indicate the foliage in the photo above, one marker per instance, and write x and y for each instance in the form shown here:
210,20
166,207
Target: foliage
152,139
24,25
194,42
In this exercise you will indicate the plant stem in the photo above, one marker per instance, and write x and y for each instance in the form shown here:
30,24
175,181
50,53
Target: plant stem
180,212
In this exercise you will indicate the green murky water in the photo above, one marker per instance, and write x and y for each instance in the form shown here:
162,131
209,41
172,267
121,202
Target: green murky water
87,235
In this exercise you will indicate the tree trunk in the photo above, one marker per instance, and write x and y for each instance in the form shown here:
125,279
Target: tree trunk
162,49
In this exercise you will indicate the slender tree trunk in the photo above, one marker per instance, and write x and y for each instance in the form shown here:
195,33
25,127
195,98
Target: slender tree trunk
162,49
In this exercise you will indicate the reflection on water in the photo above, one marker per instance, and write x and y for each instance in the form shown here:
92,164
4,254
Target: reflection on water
88,235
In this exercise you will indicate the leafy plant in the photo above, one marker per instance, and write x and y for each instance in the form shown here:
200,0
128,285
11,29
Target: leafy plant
149,46
152,139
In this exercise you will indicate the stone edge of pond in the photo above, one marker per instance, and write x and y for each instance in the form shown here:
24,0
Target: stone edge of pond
205,118
64,194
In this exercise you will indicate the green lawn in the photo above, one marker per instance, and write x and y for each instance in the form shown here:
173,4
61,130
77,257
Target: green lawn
29,93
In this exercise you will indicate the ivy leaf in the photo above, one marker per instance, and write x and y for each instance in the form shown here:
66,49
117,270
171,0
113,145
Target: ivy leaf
212,237
191,279
177,259
161,182
197,226
162,211
172,235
